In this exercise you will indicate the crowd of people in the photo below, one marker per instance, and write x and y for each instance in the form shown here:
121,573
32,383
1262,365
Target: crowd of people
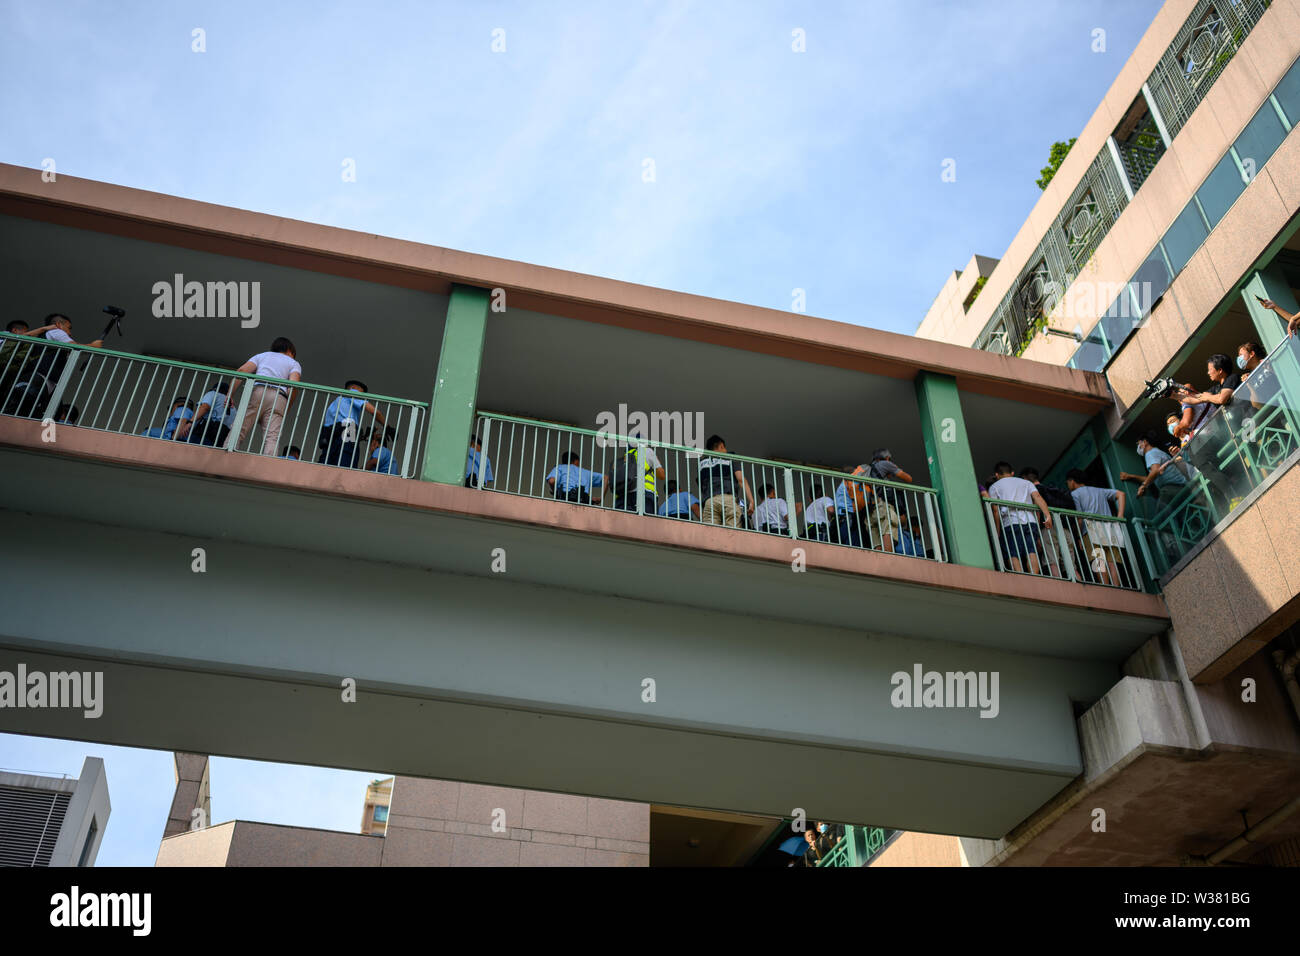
28,375
1098,549
1189,455
852,512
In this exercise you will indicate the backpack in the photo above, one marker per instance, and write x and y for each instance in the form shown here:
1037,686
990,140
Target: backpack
1057,497
625,479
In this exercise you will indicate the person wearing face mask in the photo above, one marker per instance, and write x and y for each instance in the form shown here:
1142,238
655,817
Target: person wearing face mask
1204,453
1261,384
1158,478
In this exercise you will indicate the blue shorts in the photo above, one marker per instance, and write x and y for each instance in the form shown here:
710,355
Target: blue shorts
1019,540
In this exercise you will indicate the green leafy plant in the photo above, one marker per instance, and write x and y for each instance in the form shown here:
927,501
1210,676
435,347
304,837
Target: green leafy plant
1035,327
974,293
1054,160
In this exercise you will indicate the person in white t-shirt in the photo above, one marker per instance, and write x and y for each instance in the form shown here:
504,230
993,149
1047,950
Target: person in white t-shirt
772,513
1019,537
819,515
268,403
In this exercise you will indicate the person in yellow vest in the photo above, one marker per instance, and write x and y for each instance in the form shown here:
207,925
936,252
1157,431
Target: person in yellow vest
623,480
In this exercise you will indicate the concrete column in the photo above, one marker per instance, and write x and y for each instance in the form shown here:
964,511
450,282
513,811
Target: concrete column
192,792
952,470
451,420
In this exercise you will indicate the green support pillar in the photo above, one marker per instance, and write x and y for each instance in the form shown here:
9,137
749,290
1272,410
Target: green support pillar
455,394
1269,283
952,470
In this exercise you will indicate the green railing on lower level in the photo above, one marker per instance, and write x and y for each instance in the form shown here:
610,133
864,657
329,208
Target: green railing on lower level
858,847
198,404
1239,447
1082,547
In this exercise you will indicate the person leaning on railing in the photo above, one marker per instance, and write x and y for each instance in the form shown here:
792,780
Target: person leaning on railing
268,403
340,429
1106,537
1019,537
720,479
1204,454
36,370
883,466
569,481
182,411
13,355
1158,475
1261,386
210,424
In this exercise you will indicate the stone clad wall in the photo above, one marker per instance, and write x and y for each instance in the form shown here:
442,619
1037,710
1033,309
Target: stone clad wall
437,823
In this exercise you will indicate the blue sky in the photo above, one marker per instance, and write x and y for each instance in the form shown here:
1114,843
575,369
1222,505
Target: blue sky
773,170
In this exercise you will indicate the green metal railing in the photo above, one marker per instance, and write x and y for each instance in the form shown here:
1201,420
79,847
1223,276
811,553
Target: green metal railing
657,479
1239,447
1082,547
858,847
159,398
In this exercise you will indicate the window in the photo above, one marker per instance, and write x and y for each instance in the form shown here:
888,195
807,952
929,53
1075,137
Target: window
1260,137
1221,189
381,814
1093,354
89,844
1119,321
1184,236
1288,93
1149,282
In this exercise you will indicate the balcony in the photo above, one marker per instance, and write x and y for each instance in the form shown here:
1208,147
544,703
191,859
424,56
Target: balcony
859,846
126,394
588,468
1238,451
490,627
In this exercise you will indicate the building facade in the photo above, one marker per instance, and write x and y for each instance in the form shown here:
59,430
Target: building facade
511,561
1168,237
53,821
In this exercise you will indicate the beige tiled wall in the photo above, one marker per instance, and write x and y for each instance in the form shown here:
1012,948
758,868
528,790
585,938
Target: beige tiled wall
438,823
1236,595
921,849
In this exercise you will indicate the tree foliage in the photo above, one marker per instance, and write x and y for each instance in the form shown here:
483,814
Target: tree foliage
1058,154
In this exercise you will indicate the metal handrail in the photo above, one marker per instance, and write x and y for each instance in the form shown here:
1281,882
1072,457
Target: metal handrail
36,340
764,462
118,392
886,516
